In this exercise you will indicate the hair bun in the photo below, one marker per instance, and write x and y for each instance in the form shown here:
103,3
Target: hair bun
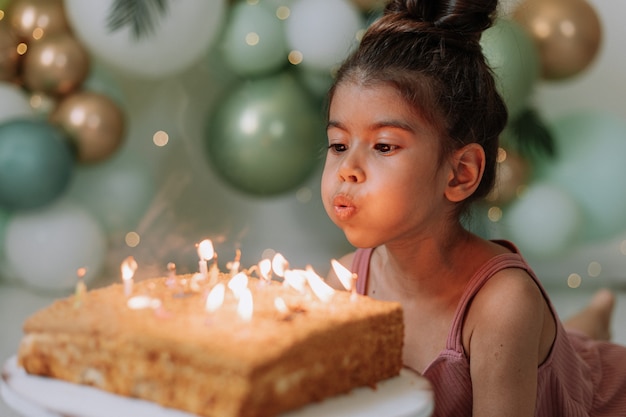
463,17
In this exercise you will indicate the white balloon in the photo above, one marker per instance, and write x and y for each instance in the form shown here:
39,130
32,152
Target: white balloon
544,221
46,247
13,102
324,31
181,36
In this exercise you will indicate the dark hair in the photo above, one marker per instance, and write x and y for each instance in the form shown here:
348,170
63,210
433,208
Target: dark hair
430,51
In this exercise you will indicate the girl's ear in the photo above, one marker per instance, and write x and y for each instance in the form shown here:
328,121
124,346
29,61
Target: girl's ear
467,167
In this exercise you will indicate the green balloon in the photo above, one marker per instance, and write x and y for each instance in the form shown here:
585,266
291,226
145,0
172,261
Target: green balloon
514,59
36,163
589,165
266,136
254,41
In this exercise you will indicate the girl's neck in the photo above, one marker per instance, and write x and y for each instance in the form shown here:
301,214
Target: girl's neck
430,267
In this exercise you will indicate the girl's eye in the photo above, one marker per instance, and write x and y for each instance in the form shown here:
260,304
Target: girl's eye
337,147
385,147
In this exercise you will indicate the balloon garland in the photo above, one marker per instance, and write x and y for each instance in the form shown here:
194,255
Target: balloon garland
263,138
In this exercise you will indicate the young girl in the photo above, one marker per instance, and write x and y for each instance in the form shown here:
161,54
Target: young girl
414,119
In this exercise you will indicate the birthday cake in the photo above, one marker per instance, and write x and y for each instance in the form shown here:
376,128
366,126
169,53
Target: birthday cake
265,348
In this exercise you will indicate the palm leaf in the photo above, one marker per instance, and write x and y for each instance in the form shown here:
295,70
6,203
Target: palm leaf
140,15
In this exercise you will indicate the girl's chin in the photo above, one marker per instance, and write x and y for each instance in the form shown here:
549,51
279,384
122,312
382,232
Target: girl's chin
360,241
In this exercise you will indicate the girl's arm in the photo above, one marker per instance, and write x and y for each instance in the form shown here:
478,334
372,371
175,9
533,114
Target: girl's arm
508,334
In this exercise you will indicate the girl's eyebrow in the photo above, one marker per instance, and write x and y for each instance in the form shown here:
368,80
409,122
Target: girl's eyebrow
392,123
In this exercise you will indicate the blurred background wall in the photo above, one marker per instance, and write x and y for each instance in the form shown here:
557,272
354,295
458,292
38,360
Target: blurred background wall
140,128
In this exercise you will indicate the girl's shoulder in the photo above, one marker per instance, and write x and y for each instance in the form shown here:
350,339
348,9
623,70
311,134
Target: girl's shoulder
510,308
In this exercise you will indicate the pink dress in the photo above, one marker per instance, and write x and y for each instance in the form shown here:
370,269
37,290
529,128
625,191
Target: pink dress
580,376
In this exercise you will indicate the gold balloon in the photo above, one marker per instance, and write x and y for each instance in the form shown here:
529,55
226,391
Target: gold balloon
56,65
568,34
93,121
36,19
9,58
512,176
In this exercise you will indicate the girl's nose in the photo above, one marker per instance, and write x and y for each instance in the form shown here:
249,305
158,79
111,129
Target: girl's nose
350,171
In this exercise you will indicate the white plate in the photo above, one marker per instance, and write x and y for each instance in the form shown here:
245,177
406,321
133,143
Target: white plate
407,395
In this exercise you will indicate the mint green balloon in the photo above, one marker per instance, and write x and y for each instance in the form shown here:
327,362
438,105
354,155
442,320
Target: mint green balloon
514,58
265,137
36,163
589,165
254,42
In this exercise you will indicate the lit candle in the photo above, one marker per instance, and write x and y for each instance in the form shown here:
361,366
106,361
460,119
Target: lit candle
139,302
215,299
171,275
81,288
346,277
279,265
128,267
322,290
238,283
233,266
214,271
296,279
205,252
265,270
245,307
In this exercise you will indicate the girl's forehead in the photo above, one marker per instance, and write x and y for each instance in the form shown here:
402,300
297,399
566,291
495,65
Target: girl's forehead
380,99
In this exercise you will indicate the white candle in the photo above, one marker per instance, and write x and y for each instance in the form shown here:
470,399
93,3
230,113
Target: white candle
128,267
171,275
205,252
233,266
265,270
81,288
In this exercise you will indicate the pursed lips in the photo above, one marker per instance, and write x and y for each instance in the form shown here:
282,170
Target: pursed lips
344,207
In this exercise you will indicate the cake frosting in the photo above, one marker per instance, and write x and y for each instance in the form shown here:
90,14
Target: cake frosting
162,343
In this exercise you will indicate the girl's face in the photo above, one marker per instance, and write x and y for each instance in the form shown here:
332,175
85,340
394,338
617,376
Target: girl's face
382,180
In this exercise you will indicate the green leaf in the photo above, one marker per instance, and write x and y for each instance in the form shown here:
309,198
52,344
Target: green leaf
141,15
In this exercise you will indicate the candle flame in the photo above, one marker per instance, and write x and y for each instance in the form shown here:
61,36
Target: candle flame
128,267
344,274
80,272
143,301
280,305
322,290
279,265
265,267
238,284
205,250
245,307
295,278
215,299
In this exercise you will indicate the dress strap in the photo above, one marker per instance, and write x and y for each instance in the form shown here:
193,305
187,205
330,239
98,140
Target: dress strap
360,266
480,278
